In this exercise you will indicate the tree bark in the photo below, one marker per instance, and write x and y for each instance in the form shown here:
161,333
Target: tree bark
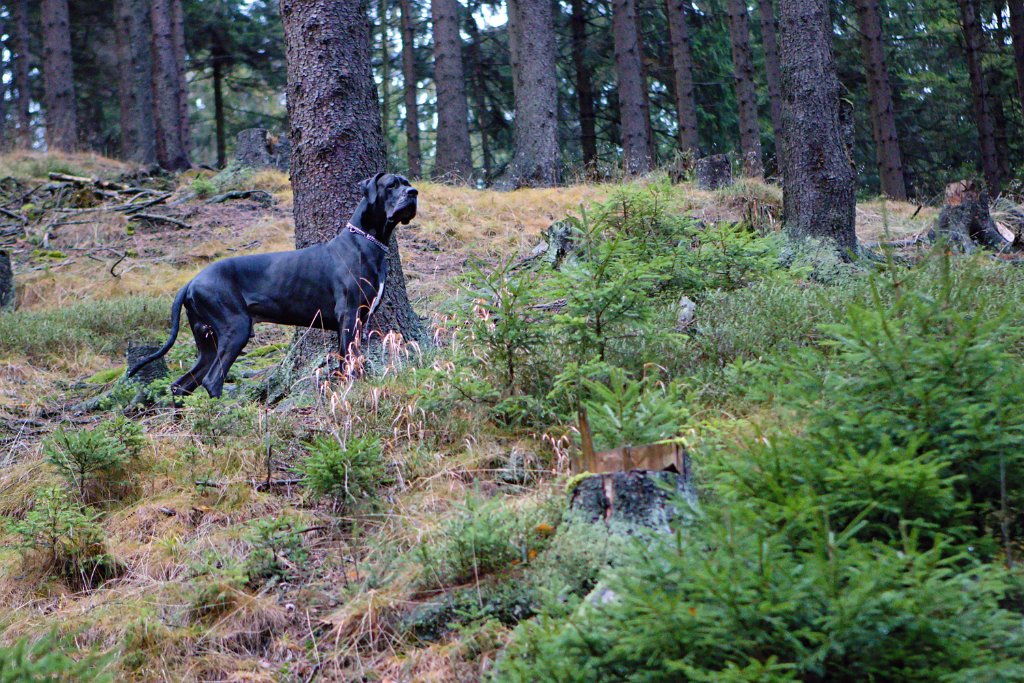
584,84
973,37
773,72
336,139
20,74
385,70
412,118
818,172
536,161
634,114
58,77
479,91
1017,31
682,66
453,159
138,129
217,65
883,118
180,56
746,93
168,90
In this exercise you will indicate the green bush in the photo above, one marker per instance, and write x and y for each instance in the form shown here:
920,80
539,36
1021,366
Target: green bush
203,187
126,432
49,660
276,551
346,473
67,539
91,461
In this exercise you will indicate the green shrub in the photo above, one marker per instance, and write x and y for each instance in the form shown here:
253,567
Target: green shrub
217,419
203,187
346,473
91,461
126,432
277,550
66,538
49,660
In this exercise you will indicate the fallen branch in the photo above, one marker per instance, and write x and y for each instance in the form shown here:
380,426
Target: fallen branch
157,218
15,215
260,196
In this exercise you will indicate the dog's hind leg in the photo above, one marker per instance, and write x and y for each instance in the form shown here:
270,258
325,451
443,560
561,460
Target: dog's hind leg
207,346
230,343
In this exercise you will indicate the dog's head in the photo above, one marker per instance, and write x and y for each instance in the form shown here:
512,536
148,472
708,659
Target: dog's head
390,197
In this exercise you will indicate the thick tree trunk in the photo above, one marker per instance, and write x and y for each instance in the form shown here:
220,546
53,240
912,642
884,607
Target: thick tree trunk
536,161
217,65
168,90
412,117
1017,30
883,118
20,74
7,293
584,84
818,174
58,77
746,93
973,39
385,71
682,66
773,72
634,114
336,139
138,129
479,90
180,55
453,159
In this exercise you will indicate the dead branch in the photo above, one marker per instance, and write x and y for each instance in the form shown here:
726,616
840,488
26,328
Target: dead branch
260,196
157,218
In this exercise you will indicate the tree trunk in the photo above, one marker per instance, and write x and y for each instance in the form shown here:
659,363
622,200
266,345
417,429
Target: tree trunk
682,66
584,84
168,90
769,31
453,160
217,64
818,173
336,139
180,55
634,114
7,293
58,77
479,90
746,93
135,68
883,118
385,71
713,172
1017,30
412,118
982,114
536,161
20,73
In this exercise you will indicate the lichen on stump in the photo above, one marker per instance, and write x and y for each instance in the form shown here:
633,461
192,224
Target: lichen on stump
713,172
634,499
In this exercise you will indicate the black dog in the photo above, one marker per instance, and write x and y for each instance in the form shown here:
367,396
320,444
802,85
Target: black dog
335,286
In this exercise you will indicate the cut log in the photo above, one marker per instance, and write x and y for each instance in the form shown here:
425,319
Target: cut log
713,172
6,282
151,371
965,222
627,501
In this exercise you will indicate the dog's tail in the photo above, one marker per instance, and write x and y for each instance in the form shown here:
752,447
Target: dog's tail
175,324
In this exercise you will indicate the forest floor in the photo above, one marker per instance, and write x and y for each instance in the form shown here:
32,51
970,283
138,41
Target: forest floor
350,603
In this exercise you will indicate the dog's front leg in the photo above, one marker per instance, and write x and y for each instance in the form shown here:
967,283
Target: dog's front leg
346,335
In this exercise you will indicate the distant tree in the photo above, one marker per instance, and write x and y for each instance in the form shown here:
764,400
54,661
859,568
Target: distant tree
634,112
883,117
452,156
973,39
410,89
180,57
336,137
584,83
481,115
819,181
21,39
746,91
58,77
536,160
168,88
1017,30
682,68
138,127
773,72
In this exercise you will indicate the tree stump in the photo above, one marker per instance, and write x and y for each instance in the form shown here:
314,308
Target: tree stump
713,172
281,153
149,372
965,221
6,282
253,148
638,498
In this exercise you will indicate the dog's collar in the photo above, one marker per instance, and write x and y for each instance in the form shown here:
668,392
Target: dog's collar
360,231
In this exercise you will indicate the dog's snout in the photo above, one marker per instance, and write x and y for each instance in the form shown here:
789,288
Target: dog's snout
412,192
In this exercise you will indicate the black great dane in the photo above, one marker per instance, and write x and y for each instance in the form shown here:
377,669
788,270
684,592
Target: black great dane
334,286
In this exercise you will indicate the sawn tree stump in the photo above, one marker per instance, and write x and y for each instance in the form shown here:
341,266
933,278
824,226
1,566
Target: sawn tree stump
637,498
713,172
149,372
965,220
257,148
6,282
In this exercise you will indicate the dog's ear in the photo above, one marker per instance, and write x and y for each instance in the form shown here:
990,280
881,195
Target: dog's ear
370,188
